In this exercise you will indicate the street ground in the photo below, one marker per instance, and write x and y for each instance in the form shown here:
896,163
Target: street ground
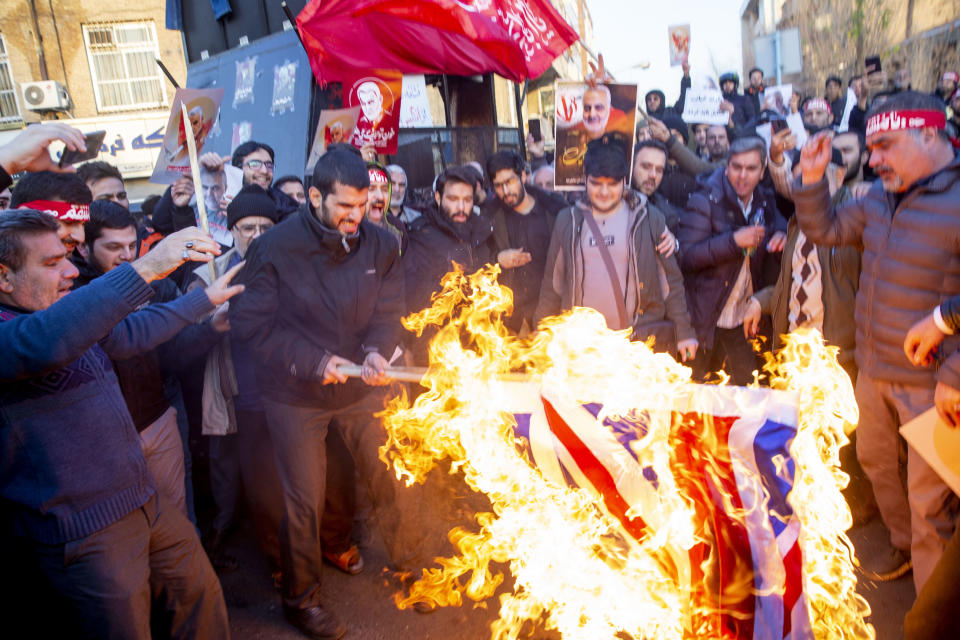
365,602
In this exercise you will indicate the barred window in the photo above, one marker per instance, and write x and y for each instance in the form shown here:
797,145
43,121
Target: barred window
9,108
122,63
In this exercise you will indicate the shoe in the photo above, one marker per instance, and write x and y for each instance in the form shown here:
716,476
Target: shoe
350,561
889,567
315,622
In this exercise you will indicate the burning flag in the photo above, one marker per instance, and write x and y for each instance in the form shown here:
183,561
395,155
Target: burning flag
628,502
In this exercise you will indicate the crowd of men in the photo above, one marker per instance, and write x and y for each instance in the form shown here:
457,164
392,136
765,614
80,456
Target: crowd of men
120,329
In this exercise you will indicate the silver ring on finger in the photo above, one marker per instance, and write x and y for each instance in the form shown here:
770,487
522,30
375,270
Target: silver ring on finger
189,245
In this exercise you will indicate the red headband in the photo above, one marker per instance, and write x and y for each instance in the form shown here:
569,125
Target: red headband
952,75
378,176
817,103
66,211
900,120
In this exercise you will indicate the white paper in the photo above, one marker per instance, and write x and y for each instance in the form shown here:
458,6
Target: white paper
679,41
414,105
703,107
847,110
938,444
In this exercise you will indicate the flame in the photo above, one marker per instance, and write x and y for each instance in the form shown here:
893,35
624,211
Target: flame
587,567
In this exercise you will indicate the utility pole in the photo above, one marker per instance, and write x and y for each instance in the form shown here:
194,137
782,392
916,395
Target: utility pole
581,28
44,75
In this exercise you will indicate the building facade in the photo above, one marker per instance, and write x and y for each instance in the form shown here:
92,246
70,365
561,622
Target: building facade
92,64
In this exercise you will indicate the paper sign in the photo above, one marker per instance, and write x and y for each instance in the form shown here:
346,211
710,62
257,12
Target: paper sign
415,107
847,110
938,444
334,125
679,36
219,188
379,99
795,122
778,99
584,114
703,107
246,73
203,106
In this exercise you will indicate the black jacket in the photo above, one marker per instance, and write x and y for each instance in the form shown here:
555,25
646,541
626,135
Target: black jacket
312,293
743,113
434,242
709,256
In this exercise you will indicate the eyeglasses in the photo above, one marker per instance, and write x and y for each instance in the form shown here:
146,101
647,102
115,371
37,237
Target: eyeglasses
119,195
512,180
250,229
256,164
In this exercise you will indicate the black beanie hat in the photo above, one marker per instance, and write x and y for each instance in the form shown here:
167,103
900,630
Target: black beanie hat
251,201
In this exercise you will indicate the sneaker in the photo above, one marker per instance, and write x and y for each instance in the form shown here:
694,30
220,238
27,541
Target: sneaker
892,565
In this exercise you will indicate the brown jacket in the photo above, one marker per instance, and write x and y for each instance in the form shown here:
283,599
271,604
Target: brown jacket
840,269
911,263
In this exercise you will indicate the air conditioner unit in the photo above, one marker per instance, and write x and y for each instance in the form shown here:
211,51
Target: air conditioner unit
48,95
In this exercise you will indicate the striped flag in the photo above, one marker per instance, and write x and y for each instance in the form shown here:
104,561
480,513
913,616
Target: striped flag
748,462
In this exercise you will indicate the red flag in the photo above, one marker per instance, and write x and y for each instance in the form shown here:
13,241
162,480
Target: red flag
516,39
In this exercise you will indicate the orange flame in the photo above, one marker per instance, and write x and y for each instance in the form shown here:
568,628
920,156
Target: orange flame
587,568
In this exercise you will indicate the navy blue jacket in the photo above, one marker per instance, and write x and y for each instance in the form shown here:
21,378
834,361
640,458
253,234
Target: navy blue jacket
70,458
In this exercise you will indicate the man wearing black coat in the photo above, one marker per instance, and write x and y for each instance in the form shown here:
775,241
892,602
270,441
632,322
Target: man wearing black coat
743,112
324,289
523,216
725,258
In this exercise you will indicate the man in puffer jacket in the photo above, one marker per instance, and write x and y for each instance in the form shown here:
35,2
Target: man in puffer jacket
743,111
909,230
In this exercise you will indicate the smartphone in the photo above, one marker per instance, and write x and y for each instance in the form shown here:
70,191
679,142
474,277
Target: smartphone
778,124
533,126
872,64
93,141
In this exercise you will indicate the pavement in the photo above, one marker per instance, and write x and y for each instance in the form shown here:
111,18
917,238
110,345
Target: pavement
364,602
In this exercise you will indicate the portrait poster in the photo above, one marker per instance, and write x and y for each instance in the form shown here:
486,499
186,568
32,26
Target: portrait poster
584,114
702,106
334,125
679,36
778,99
203,106
246,74
938,444
242,132
414,106
284,83
379,99
218,188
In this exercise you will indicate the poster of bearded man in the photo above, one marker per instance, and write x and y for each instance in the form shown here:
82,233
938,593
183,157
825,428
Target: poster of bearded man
586,113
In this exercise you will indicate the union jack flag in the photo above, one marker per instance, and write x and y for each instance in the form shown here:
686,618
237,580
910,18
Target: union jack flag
749,461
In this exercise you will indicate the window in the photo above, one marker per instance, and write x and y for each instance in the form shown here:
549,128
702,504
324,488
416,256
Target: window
9,109
122,63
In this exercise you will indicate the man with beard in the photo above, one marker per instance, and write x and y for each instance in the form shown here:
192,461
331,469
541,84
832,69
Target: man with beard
104,181
909,229
398,195
378,204
718,144
817,115
649,168
755,90
445,233
602,255
325,289
836,99
656,101
293,187
730,230
523,217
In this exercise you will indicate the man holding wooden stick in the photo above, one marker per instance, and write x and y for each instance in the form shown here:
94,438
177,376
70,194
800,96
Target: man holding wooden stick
324,289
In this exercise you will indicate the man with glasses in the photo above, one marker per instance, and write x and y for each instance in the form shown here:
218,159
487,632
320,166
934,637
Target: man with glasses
104,181
523,217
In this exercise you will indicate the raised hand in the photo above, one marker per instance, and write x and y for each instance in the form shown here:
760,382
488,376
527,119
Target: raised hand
815,156
221,290
28,151
190,244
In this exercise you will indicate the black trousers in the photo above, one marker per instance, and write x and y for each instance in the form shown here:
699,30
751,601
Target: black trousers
300,436
145,570
934,614
731,353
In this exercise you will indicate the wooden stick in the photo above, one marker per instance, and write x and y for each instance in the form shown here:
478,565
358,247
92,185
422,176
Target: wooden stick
416,374
197,184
